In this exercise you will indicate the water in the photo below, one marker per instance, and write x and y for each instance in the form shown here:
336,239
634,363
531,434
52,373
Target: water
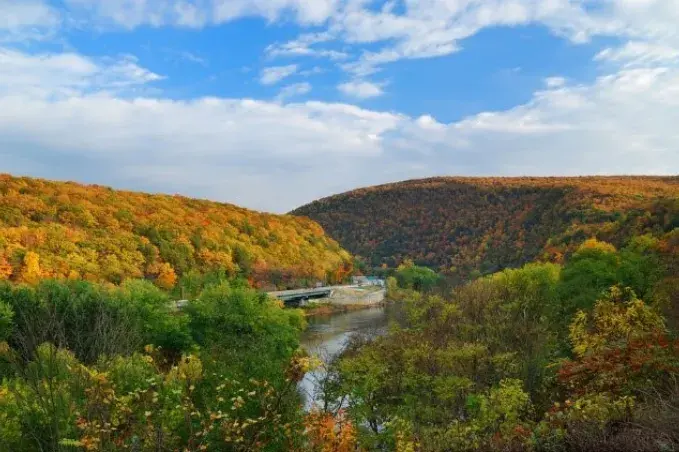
327,336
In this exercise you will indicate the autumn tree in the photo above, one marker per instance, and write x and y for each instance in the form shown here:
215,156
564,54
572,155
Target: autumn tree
488,224
166,278
102,235
330,433
31,272
5,268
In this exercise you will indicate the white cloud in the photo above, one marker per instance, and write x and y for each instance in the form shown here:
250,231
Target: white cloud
637,53
434,28
303,47
380,32
555,82
274,74
306,12
296,89
22,20
361,89
67,74
198,13
62,108
366,35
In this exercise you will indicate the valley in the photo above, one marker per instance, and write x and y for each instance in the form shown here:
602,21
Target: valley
448,314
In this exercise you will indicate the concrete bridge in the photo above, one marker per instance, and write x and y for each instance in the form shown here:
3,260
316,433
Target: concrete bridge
347,295
340,295
301,296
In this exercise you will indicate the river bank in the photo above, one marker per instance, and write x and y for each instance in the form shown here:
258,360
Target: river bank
348,299
327,309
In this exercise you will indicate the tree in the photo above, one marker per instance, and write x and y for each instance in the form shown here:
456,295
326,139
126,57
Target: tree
166,278
31,273
5,268
590,271
102,235
410,276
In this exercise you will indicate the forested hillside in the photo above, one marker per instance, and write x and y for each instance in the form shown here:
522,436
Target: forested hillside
463,225
71,231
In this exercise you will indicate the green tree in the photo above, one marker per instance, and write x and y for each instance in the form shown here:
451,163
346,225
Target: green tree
410,276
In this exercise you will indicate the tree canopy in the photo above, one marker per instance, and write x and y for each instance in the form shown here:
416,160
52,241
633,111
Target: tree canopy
465,226
69,231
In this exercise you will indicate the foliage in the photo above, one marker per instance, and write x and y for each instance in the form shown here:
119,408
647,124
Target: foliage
132,403
467,225
241,327
410,276
595,267
328,433
476,369
119,368
621,383
87,319
70,231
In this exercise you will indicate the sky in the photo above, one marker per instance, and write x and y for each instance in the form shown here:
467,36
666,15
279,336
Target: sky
270,104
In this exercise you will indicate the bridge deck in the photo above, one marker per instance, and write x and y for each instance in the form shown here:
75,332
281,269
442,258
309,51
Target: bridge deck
298,294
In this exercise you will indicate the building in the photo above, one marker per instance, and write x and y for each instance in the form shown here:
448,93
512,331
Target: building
367,281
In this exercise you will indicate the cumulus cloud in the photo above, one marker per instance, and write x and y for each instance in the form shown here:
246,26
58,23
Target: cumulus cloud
70,116
379,33
67,74
22,20
65,119
274,74
361,89
366,35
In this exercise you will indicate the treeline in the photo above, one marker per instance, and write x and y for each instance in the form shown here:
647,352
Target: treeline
470,226
70,231
582,356
101,368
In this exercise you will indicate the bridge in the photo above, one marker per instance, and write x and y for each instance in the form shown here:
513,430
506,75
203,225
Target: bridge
301,296
342,295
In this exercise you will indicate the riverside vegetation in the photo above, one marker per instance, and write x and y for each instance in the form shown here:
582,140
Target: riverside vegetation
582,356
573,352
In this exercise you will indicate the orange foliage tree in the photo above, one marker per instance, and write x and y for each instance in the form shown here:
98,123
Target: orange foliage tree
5,268
167,278
330,433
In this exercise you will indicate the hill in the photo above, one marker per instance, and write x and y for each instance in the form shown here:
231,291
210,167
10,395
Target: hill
67,230
465,224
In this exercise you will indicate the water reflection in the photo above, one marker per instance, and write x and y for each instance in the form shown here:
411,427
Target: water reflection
327,336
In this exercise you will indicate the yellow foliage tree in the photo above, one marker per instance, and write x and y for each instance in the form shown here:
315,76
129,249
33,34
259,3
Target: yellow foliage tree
112,236
31,272
594,244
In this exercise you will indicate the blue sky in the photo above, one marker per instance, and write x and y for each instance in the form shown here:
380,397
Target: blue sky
273,103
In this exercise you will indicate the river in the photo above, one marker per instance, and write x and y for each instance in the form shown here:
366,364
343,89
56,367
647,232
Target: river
326,337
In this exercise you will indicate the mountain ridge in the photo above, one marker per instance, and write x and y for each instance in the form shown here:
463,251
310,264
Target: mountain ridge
462,224
71,230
